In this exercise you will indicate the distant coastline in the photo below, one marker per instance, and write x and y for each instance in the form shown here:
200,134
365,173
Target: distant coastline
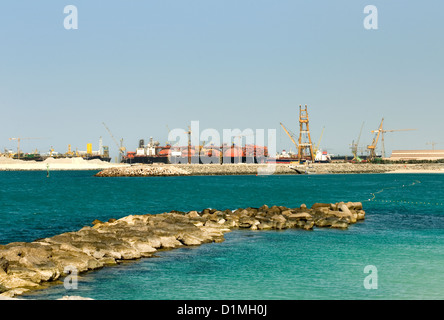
263,169
114,169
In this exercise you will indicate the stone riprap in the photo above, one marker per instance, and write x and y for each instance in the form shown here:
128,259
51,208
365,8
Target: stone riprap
260,169
26,266
143,171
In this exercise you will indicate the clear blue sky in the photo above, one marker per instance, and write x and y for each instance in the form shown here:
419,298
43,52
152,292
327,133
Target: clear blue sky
140,65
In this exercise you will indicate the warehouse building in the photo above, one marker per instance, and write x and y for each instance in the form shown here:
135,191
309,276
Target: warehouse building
417,155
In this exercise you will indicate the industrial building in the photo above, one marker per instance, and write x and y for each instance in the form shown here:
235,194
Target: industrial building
400,155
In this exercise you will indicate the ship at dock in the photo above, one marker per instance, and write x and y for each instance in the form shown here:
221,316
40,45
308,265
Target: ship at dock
153,152
88,154
291,158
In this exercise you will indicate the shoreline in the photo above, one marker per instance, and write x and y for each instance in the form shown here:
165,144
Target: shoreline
52,164
264,169
108,169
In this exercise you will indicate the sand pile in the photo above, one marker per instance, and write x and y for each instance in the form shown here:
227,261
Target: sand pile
5,160
76,163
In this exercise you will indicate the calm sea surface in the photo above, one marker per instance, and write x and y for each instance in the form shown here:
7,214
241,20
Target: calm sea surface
402,235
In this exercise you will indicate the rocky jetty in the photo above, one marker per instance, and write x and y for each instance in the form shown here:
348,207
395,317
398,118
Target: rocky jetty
27,266
142,171
258,169
193,169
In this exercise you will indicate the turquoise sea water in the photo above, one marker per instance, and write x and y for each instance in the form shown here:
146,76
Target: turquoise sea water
402,235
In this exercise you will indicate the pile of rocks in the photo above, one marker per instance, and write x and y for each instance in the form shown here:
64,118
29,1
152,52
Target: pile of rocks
142,171
26,266
194,169
259,169
338,215
236,169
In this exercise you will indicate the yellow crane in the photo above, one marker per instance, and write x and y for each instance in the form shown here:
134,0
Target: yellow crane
290,135
380,133
70,153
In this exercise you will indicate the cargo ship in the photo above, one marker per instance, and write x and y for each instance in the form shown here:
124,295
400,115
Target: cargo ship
43,157
291,158
102,154
152,152
147,154
284,157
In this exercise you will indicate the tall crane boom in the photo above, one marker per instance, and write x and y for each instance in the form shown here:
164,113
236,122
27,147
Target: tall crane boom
354,146
360,132
380,133
290,135
372,147
120,147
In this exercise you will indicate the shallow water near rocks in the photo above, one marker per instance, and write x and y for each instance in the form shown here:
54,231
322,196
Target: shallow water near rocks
402,235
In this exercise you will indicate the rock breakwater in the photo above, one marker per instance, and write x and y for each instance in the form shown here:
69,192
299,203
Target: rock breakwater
27,266
143,171
191,169
257,169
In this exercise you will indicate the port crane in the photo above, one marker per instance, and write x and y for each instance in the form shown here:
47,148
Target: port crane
354,146
380,133
316,147
305,146
120,147
189,144
433,144
18,143
290,134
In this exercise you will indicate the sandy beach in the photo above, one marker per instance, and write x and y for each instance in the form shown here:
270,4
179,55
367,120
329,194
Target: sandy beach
7,164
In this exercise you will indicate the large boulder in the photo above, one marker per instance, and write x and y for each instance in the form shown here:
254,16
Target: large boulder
3,266
320,205
278,219
340,224
300,215
326,222
247,222
346,211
